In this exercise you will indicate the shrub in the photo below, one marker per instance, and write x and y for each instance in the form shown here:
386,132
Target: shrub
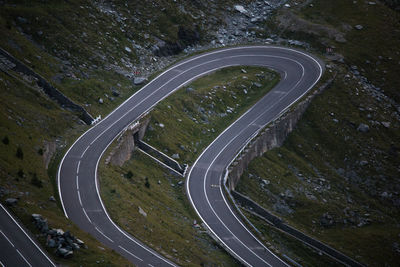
40,152
147,184
129,175
19,153
5,140
36,181
20,173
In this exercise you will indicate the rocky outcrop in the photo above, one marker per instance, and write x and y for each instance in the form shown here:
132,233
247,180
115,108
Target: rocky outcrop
64,242
126,141
272,136
186,37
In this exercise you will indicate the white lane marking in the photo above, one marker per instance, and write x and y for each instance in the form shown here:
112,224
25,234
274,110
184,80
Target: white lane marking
77,182
22,256
98,230
284,78
150,265
112,222
130,253
19,226
204,185
172,68
215,158
7,239
165,165
84,151
96,181
77,167
84,211
152,81
189,176
79,197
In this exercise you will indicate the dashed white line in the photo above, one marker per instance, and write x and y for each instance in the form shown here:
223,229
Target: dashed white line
77,182
7,239
22,256
103,234
79,197
77,167
150,265
130,253
84,211
12,218
84,151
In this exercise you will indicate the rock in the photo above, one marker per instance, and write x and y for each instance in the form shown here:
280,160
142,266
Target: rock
359,27
327,220
161,125
363,163
116,93
258,85
266,182
65,253
80,242
101,101
189,89
127,49
141,211
11,201
243,71
240,9
139,80
363,128
175,156
52,198
385,124
51,243
180,183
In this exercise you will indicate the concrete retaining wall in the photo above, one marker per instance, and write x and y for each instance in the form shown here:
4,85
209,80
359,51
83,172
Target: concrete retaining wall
272,136
48,89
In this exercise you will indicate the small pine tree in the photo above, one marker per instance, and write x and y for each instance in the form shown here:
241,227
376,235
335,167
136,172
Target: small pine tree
40,151
20,173
5,140
19,153
36,181
147,184
129,175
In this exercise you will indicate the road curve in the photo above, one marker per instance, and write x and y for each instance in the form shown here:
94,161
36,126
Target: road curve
77,174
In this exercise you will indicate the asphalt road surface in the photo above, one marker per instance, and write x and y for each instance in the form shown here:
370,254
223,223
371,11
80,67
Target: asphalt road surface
77,174
17,247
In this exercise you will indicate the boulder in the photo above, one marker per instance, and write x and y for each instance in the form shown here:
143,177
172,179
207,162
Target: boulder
11,201
363,128
139,80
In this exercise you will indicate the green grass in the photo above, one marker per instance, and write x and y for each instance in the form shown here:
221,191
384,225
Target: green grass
140,182
326,142
168,226
192,119
29,120
283,244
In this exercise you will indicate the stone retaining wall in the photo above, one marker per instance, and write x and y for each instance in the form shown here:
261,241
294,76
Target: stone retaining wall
272,136
48,89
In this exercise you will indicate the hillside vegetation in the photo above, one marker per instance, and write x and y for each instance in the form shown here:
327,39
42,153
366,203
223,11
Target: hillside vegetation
337,175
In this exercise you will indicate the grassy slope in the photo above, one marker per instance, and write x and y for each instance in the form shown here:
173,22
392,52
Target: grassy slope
166,204
73,44
193,119
31,131
321,162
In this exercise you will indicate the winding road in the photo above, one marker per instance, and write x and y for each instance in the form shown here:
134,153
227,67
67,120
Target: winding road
77,175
